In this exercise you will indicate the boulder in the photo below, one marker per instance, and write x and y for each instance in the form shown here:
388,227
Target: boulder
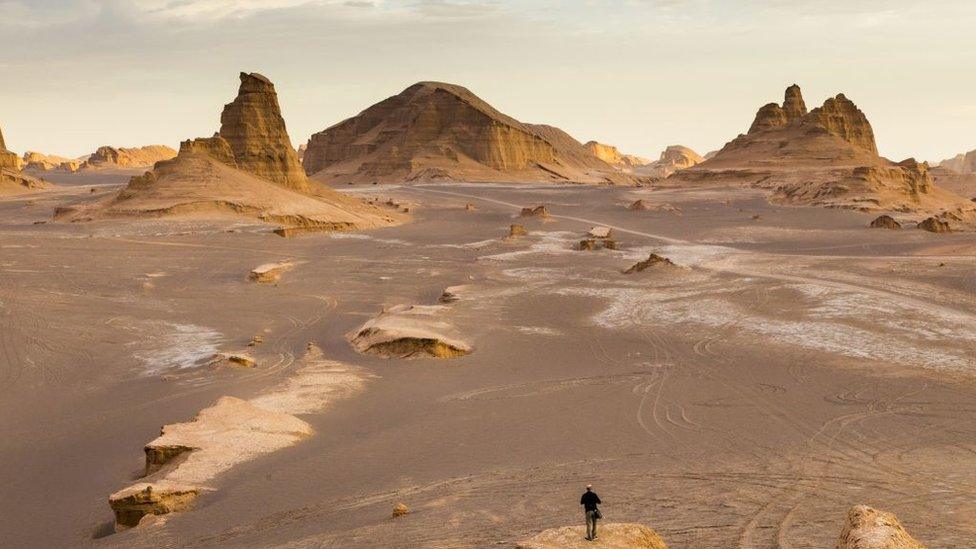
409,331
515,230
600,232
652,260
934,225
869,528
612,535
253,127
400,509
885,222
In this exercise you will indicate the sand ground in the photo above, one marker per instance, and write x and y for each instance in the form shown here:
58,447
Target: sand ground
790,367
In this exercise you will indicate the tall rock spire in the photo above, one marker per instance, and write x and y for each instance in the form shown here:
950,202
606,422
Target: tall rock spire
793,104
253,126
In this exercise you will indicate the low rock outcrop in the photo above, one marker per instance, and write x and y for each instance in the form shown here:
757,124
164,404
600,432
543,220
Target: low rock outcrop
434,131
652,260
269,273
885,222
132,504
646,206
869,528
537,211
409,331
137,157
612,535
34,160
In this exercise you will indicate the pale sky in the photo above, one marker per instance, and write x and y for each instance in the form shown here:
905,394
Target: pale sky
639,74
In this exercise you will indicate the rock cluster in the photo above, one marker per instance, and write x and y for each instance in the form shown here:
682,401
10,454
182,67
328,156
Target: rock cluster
439,131
137,157
825,157
869,528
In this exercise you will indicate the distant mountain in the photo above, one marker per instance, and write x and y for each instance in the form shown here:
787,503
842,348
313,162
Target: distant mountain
437,131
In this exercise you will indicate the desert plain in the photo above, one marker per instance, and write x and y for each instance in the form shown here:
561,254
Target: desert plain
790,364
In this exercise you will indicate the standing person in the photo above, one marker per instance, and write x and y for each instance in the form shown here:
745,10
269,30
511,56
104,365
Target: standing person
589,501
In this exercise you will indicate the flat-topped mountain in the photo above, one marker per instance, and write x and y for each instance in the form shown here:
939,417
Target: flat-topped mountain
826,156
247,169
437,131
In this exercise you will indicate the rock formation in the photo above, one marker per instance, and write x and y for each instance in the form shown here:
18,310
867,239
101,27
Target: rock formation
673,159
825,157
409,331
138,157
399,510
536,211
615,535
868,528
44,162
961,163
612,156
934,225
885,222
642,205
134,503
652,260
437,131
248,169
515,230
12,180
253,127
269,273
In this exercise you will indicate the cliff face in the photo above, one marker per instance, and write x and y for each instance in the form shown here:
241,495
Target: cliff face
841,117
8,160
253,127
441,131
961,163
137,157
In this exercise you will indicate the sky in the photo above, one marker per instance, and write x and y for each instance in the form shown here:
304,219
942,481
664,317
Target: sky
638,74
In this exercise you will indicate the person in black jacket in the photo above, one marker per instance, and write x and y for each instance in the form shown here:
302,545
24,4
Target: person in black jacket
589,501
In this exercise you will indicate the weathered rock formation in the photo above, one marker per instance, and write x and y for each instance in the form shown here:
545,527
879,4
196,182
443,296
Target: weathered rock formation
269,273
34,160
515,230
409,331
612,535
248,169
642,205
825,157
132,504
961,163
885,222
673,159
437,131
868,528
253,127
399,510
12,180
612,156
934,225
137,157
652,260
536,211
